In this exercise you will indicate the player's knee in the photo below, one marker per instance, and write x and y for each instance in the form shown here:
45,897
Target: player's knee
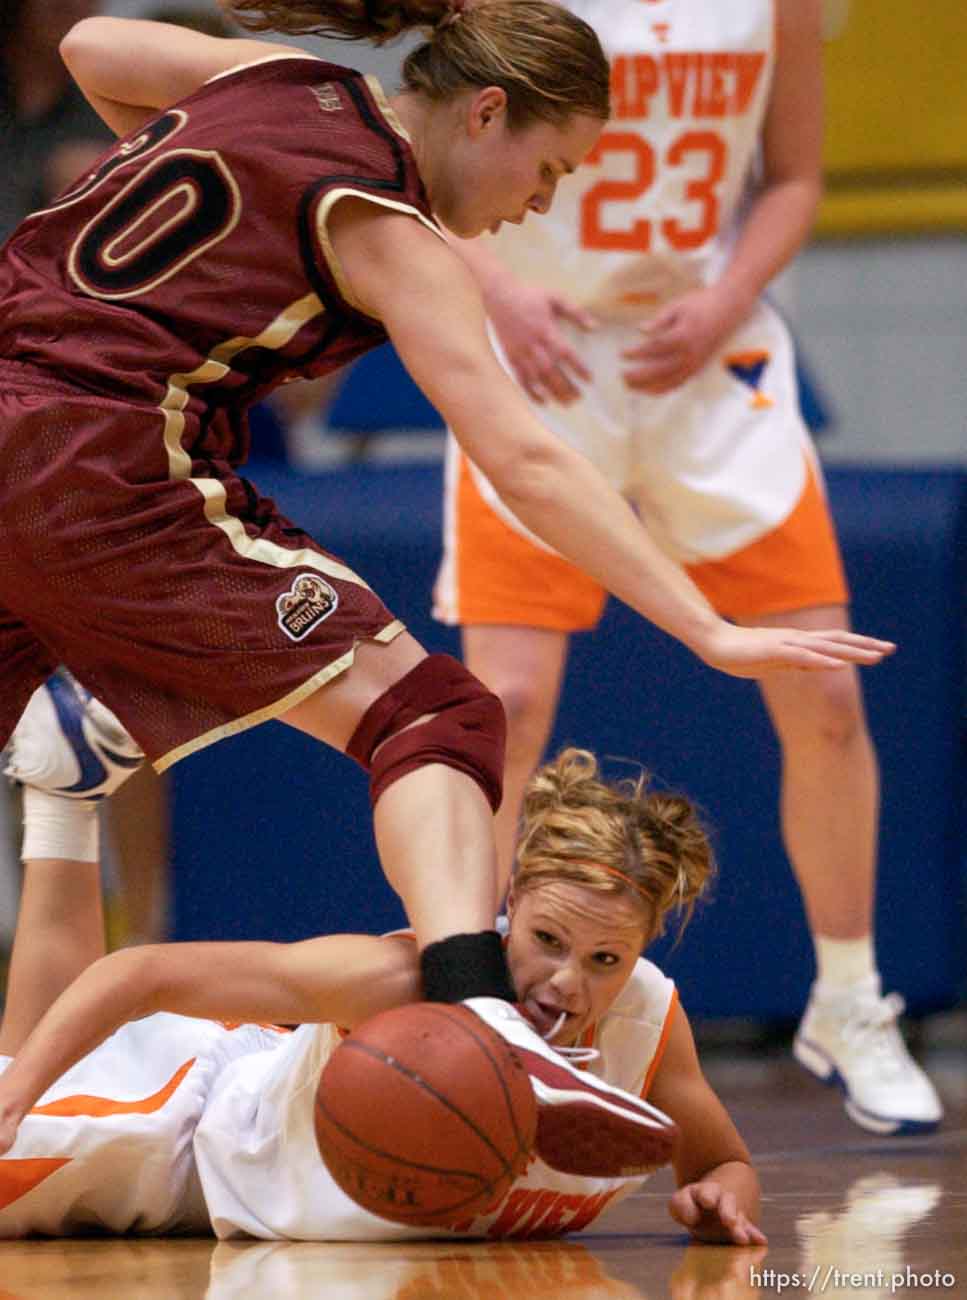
466,729
525,703
829,712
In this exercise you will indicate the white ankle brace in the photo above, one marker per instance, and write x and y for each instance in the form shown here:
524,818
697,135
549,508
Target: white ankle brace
55,827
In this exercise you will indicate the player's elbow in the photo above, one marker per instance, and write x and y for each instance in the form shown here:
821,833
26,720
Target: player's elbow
83,46
140,972
78,40
526,475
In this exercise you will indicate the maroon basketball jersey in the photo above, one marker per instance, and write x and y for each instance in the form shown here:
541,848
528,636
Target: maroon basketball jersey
191,269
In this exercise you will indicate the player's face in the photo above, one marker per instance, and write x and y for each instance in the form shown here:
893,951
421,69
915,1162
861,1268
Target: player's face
572,950
502,175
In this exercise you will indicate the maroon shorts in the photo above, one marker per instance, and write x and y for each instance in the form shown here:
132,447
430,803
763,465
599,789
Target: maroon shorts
179,597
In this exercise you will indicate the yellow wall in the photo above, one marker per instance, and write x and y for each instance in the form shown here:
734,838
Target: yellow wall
896,114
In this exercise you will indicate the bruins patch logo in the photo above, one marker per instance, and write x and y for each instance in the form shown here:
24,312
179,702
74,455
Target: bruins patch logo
308,601
327,97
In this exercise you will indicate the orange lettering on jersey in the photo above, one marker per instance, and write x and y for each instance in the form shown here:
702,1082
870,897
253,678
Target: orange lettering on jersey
101,1107
529,1212
542,1204
677,69
18,1177
747,70
634,79
713,84
711,97
516,1205
553,1222
592,1207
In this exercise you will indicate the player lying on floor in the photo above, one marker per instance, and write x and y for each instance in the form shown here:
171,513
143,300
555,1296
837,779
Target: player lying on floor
156,1122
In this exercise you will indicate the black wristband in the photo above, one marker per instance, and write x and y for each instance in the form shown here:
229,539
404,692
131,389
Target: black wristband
466,966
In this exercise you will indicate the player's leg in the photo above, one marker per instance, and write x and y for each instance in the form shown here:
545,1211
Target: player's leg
60,931
139,815
524,666
67,751
829,810
433,825
770,504
830,791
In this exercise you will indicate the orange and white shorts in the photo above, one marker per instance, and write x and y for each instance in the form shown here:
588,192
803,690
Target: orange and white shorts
721,471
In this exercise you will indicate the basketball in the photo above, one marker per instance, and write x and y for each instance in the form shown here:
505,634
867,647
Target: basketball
424,1115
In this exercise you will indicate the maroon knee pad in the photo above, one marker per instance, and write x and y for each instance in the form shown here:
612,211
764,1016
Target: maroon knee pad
467,732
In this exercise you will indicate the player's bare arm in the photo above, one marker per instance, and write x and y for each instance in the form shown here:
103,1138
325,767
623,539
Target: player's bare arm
718,1190
781,218
402,273
343,979
128,68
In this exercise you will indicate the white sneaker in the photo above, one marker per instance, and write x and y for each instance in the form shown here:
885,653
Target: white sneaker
850,1038
584,1126
69,743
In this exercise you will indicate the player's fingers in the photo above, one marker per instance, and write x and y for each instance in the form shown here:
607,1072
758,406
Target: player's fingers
560,387
667,319
847,652
728,1210
535,391
550,375
657,347
803,657
576,315
528,376
709,1196
683,1209
573,363
843,638
655,379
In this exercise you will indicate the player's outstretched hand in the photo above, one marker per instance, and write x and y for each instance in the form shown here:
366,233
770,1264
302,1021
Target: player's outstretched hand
755,651
711,1213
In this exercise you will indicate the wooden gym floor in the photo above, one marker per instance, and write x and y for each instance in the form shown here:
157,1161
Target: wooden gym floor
848,1215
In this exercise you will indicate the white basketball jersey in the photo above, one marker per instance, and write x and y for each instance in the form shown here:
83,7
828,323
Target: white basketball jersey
108,1147
182,1125
651,212
262,1175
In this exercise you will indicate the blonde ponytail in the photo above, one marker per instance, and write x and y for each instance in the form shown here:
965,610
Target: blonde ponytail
349,20
549,63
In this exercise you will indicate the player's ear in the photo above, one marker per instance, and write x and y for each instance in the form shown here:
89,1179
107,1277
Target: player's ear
511,904
487,108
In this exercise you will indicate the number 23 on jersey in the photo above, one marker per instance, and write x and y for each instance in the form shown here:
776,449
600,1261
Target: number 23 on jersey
701,155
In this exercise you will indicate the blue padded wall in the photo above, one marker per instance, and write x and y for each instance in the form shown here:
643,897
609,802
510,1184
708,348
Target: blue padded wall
272,832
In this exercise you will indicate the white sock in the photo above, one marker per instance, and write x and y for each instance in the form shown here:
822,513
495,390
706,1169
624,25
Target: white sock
845,963
56,827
